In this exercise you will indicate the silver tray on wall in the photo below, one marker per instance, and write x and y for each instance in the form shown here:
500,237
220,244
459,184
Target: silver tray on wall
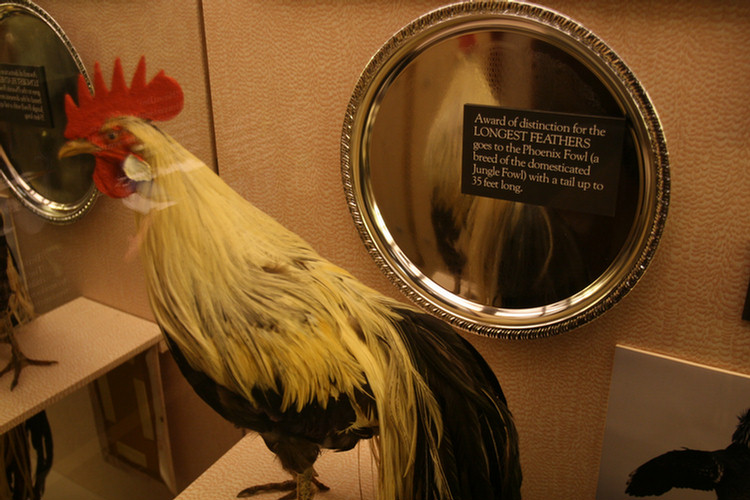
38,67
488,93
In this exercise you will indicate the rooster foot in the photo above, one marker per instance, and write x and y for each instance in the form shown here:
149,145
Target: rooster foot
299,488
18,361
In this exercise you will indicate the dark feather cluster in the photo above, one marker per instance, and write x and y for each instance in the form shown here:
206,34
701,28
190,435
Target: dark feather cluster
479,445
727,471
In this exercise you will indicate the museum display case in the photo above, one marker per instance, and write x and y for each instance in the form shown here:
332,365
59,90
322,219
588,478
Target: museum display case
440,153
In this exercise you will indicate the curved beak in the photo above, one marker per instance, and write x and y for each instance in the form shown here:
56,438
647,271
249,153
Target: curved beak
77,147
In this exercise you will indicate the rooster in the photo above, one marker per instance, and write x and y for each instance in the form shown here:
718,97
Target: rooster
279,340
501,253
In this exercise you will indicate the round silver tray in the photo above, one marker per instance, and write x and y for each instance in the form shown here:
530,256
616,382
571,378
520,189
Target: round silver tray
492,266
38,67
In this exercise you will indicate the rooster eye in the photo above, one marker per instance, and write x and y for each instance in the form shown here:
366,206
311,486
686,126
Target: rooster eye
112,135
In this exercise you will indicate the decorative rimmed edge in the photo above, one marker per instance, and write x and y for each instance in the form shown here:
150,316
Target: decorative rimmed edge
639,98
52,211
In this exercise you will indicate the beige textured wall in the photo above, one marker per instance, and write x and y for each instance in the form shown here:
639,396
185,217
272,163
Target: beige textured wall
281,73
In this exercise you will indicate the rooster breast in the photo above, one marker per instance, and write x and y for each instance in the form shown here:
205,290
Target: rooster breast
296,437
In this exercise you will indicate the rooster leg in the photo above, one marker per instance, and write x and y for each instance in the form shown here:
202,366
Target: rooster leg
304,485
18,361
300,488
290,485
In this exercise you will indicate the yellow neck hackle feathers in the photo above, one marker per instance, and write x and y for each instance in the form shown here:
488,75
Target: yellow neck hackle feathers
251,304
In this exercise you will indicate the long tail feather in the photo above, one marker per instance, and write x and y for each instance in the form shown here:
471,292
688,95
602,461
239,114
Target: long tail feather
478,450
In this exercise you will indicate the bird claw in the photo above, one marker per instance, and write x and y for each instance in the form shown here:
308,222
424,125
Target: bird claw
290,486
18,362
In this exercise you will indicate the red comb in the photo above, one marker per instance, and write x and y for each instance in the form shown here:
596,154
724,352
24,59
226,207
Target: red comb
160,100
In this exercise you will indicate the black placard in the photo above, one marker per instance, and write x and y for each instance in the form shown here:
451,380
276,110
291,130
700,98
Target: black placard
557,160
23,95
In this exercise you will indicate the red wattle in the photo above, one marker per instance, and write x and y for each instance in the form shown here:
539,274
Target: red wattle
110,180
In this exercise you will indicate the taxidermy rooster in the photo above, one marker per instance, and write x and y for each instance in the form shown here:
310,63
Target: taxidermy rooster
727,471
521,255
277,339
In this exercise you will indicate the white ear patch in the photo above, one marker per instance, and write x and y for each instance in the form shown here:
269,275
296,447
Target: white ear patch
137,169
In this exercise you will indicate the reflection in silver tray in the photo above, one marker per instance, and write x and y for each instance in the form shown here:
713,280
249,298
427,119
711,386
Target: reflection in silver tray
38,67
489,264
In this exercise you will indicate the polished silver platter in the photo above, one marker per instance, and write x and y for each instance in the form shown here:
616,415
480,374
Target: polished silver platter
38,67
532,262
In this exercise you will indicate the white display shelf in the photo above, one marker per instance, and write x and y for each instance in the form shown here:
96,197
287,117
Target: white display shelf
350,475
86,338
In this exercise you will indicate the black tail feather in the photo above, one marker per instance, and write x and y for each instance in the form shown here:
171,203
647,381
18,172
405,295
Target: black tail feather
479,447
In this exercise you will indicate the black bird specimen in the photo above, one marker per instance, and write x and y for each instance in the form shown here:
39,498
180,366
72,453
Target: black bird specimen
727,471
17,481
